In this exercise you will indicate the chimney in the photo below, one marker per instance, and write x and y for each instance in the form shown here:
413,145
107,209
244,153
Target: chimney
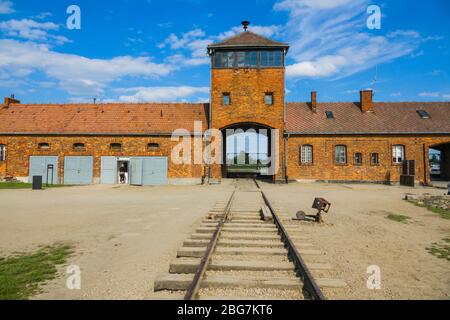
10,100
366,97
314,101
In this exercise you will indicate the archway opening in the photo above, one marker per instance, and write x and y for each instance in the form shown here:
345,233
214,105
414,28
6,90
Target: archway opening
247,151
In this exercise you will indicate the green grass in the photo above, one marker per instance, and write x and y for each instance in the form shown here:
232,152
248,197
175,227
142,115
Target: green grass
398,217
22,185
443,213
21,275
441,250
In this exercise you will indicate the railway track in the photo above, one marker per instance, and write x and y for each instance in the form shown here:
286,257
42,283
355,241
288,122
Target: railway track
234,254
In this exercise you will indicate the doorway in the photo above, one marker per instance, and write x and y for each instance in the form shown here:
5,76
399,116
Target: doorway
123,173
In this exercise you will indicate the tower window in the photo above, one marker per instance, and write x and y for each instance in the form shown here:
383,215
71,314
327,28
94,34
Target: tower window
269,99
226,98
272,58
2,152
224,59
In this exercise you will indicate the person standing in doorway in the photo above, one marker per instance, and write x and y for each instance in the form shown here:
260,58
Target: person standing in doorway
122,173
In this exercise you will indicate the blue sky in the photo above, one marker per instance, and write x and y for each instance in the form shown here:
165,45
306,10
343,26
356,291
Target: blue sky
154,50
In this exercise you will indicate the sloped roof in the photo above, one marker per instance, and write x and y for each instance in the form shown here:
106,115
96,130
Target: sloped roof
247,39
388,117
116,119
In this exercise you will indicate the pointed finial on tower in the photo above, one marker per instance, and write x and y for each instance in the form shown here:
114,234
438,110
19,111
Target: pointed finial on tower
245,24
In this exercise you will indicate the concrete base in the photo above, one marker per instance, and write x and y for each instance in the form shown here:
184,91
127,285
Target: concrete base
185,181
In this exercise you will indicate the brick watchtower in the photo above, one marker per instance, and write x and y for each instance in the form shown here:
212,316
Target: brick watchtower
248,87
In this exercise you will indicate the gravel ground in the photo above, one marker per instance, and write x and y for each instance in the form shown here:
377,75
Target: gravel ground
253,293
255,274
124,236
357,234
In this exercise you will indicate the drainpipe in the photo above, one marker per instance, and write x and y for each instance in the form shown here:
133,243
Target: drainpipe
425,179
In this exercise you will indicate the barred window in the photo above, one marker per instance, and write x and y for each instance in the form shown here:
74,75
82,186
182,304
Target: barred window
341,154
2,152
306,156
398,154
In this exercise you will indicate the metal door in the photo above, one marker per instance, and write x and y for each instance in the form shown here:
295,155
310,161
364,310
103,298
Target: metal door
108,170
136,171
78,170
39,167
154,171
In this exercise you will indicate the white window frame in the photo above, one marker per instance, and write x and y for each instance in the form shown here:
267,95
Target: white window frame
2,152
340,156
398,154
306,154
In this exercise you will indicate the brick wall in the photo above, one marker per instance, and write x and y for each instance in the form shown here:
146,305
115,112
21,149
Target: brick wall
325,168
247,88
20,148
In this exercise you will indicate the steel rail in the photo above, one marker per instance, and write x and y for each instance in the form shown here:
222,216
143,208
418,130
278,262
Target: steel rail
194,287
310,284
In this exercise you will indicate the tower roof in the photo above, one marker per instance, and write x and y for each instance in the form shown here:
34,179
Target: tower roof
247,39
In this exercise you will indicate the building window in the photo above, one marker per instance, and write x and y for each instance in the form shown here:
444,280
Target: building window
153,146
269,99
224,59
358,158
306,154
248,59
2,152
341,154
116,146
374,159
272,58
398,154
226,98
79,147
44,146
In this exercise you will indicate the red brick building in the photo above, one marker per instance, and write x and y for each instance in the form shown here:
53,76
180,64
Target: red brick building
358,141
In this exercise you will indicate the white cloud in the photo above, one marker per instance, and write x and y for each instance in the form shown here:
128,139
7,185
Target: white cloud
297,6
430,94
6,7
435,95
75,74
396,94
31,30
190,47
330,39
160,94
